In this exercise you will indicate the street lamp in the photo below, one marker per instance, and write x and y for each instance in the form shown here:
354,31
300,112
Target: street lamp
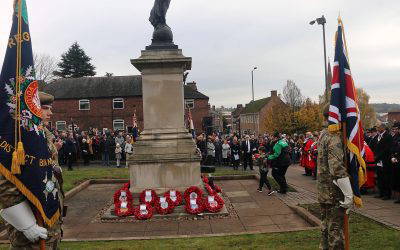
322,21
252,82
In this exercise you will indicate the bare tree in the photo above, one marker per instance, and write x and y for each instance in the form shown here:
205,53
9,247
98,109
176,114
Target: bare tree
108,74
292,96
45,65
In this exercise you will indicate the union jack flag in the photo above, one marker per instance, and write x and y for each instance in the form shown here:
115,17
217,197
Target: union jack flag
344,115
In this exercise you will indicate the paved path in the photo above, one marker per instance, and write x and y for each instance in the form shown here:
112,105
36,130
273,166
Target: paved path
254,212
385,212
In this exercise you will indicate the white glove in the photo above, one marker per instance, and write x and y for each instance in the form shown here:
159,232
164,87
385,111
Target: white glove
345,186
35,232
21,217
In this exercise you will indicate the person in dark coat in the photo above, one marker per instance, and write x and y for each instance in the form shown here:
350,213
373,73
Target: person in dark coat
70,150
218,151
235,153
395,159
202,146
105,147
383,162
248,148
85,152
373,139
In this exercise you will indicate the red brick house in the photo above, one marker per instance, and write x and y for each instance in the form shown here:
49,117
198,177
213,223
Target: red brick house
253,115
110,102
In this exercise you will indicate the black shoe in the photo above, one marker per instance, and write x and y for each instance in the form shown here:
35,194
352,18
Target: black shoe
282,191
259,190
271,192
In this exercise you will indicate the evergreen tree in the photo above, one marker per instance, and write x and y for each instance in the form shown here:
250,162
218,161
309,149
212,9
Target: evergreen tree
75,63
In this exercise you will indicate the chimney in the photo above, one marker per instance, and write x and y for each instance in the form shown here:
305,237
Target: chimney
193,85
239,106
274,93
213,107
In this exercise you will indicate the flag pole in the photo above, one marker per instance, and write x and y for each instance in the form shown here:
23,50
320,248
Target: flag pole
19,153
344,133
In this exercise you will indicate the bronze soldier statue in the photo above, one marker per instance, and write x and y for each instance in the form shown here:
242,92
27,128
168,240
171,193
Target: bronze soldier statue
335,194
23,229
162,35
158,13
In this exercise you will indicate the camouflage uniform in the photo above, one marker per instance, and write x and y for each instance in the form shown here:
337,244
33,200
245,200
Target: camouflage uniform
331,167
10,196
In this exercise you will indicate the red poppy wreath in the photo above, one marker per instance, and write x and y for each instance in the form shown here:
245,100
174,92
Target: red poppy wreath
214,203
164,205
143,212
194,206
175,196
148,196
193,192
123,203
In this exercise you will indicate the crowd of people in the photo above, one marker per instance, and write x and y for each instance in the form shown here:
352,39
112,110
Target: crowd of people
269,151
382,158
105,146
382,154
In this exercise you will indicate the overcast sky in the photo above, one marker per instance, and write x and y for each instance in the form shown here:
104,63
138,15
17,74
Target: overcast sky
226,39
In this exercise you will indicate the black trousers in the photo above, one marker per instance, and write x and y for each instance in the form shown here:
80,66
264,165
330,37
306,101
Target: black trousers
279,175
264,180
384,175
70,160
247,160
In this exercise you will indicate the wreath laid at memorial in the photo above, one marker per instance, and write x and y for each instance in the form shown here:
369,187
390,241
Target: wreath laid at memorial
123,202
209,189
194,200
214,203
193,192
148,196
143,212
175,196
194,206
164,205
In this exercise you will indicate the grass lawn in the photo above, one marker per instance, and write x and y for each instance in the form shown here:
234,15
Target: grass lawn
365,234
79,175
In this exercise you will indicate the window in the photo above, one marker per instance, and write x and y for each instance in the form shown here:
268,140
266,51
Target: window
84,105
118,103
118,125
61,125
189,104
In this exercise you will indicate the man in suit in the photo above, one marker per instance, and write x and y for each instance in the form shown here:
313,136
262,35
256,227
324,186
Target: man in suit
383,162
373,139
248,148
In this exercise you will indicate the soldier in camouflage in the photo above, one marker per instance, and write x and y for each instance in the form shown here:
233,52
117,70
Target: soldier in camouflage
335,194
14,204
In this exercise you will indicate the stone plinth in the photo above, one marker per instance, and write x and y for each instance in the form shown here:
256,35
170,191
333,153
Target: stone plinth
165,155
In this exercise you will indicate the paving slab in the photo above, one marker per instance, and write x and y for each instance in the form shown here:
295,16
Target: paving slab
251,221
237,194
